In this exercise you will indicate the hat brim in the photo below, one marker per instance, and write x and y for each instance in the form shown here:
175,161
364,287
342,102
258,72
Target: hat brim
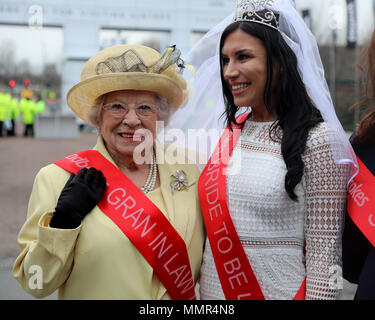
82,96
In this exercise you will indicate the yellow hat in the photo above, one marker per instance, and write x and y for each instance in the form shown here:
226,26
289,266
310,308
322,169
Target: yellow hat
128,67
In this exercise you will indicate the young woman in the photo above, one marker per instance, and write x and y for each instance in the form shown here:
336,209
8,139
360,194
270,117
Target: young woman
275,226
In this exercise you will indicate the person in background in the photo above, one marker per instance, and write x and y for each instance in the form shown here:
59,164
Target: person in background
40,105
27,112
359,240
3,111
29,109
13,114
52,103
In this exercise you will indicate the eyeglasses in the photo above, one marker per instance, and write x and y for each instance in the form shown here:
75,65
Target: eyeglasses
118,110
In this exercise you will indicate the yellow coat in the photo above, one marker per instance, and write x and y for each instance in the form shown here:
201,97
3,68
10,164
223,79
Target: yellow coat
96,260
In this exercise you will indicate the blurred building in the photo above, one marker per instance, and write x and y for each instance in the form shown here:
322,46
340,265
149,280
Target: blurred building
89,26
342,29
82,21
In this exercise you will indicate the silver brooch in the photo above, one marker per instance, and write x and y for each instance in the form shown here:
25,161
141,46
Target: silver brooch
179,181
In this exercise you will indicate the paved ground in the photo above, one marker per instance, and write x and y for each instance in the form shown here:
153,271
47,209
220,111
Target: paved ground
20,160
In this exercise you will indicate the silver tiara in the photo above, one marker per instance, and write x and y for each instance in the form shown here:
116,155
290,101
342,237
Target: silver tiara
257,11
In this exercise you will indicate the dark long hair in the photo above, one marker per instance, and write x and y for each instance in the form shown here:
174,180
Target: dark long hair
366,128
294,109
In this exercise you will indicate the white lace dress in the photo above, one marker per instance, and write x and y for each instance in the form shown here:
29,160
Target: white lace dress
274,230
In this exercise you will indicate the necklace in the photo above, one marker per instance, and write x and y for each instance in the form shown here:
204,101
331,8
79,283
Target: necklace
152,174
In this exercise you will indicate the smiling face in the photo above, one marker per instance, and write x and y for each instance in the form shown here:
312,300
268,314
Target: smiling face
244,65
127,119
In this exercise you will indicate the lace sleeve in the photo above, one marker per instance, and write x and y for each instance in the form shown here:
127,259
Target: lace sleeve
325,204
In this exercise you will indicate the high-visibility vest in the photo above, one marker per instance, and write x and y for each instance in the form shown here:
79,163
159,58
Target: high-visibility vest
3,107
14,109
40,106
27,108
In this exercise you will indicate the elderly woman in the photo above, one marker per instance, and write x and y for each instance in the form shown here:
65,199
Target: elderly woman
121,221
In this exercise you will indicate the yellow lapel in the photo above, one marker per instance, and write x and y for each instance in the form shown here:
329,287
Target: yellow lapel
181,204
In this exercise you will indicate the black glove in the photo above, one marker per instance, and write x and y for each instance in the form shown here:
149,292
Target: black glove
81,194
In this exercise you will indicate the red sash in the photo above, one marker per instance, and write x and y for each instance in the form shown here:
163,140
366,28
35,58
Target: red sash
361,199
142,222
235,273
